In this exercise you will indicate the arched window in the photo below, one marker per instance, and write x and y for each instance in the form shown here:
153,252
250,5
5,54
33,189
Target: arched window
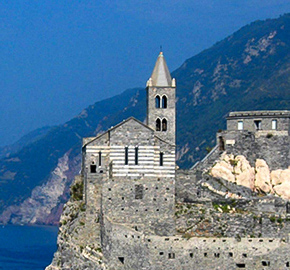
164,102
158,124
157,102
164,125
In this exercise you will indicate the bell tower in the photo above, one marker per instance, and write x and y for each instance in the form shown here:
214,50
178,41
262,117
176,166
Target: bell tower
161,101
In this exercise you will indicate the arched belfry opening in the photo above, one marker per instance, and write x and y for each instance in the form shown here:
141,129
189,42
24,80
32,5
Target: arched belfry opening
164,125
164,102
158,124
157,102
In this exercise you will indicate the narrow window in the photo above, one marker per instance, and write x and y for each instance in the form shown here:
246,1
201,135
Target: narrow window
274,124
221,144
240,125
164,125
287,264
136,155
100,158
121,259
93,168
126,155
161,159
258,124
231,254
217,255
164,102
157,102
241,265
158,124
139,192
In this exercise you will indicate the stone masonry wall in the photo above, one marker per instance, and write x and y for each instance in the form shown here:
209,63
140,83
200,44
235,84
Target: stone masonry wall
272,147
266,123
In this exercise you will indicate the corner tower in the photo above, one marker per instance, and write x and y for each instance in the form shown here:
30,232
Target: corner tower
161,101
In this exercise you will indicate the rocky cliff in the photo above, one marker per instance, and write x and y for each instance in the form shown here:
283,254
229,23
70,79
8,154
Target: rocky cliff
259,179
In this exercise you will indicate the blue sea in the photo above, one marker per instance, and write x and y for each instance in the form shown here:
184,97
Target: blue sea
26,247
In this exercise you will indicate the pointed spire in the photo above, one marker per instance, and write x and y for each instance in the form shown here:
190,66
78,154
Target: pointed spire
160,75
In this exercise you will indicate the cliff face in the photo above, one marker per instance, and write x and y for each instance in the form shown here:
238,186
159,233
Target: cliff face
249,70
237,170
77,248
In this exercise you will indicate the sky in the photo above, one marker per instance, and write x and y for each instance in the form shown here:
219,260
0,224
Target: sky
58,57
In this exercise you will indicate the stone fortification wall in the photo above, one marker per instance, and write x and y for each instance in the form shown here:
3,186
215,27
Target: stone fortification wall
229,219
272,146
125,248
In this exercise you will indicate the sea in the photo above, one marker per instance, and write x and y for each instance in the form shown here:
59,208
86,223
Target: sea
27,247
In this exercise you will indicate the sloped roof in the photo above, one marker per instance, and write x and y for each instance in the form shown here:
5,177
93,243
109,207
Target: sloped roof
161,75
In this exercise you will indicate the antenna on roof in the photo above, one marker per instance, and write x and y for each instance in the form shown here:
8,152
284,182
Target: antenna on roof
160,48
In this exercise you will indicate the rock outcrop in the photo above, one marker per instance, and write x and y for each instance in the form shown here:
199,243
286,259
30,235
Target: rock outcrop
237,169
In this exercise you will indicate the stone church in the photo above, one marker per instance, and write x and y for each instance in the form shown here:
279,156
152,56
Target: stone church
129,170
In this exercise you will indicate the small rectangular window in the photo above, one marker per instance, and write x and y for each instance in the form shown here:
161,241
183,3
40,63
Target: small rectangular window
240,125
139,192
274,124
171,255
126,155
136,155
258,124
161,159
93,168
100,158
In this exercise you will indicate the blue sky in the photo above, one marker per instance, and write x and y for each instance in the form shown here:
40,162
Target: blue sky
58,57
